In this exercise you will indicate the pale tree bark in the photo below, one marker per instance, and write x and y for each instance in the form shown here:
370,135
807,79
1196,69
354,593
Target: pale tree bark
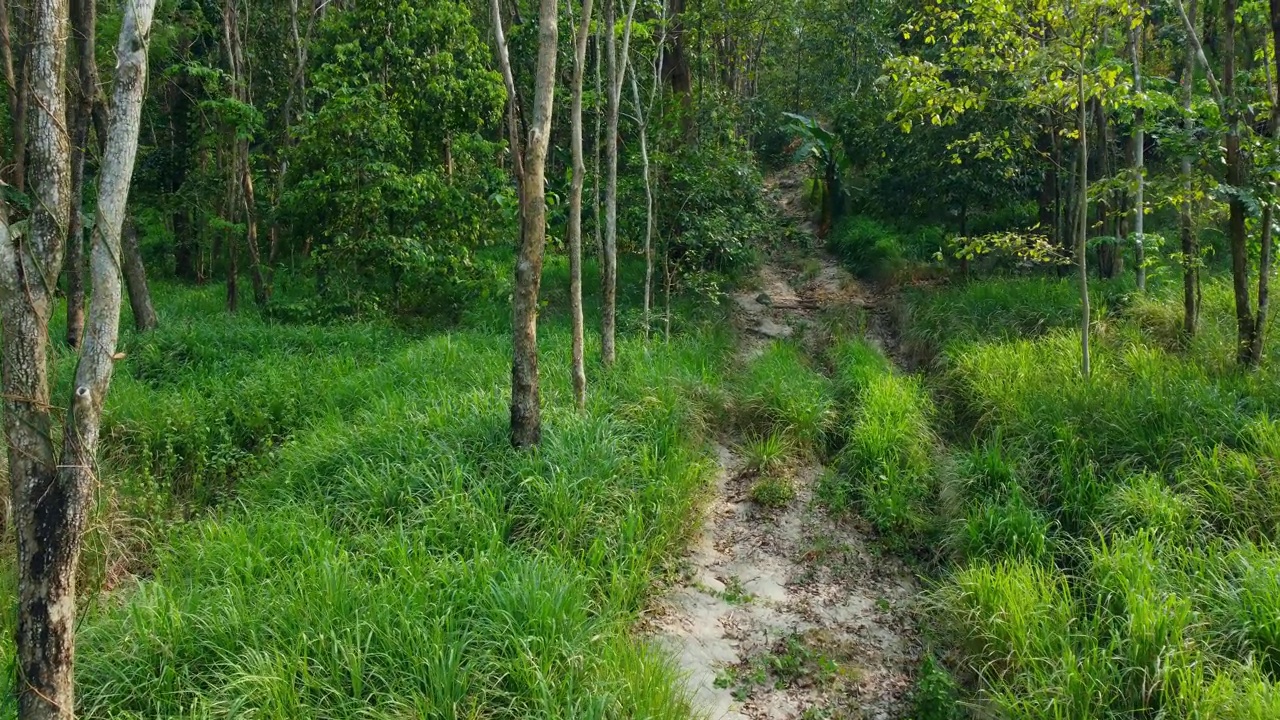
530,159
1190,245
643,113
579,371
242,173
51,490
1139,150
84,23
1082,221
617,70
642,123
135,277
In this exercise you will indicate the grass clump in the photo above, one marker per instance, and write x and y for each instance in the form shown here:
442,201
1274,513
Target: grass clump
868,247
1005,529
768,454
772,492
779,393
1145,502
886,466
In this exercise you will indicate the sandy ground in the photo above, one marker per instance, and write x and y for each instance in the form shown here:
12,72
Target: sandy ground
790,613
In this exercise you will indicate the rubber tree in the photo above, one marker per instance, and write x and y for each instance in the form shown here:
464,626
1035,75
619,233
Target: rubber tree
1139,152
1248,325
578,361
529,158
617,59
1186,230
51,488
644,112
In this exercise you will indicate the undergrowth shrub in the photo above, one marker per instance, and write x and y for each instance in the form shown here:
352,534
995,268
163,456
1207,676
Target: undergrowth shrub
868,247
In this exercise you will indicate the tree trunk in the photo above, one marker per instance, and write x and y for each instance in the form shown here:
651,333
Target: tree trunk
642,122
135,276
46,513
75,262
1266,255
1235,178
18,78
242,169
526,417
1190,246
618,60
596,185
579,371
1139,151
50,494
675,70
83,28
1107,205
1082,223
609,260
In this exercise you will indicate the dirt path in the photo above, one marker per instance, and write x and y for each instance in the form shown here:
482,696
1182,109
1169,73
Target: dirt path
790,614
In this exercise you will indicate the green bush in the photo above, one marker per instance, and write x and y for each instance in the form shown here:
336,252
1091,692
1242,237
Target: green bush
937,695
868,247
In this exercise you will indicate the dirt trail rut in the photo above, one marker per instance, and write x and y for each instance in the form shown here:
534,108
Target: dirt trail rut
790,614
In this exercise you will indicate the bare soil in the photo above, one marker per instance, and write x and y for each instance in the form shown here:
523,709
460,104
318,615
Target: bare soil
790,613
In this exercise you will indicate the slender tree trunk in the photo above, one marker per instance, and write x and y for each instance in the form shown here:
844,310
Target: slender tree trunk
526,418
579,371
243,171
135,276
1266,256
45,512
1235,178
642,122
84,23
1139,150
618,61
17,67
7,47
599,179
75,262
1190,246
1082,223
675,67
609,260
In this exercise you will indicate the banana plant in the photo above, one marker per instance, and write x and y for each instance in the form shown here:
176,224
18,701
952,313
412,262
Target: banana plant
830,162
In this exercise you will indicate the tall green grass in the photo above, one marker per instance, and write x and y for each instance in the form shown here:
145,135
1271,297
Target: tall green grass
1114,537
886,464
329,522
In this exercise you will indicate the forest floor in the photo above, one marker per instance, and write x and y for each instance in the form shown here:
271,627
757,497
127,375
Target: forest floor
791,613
